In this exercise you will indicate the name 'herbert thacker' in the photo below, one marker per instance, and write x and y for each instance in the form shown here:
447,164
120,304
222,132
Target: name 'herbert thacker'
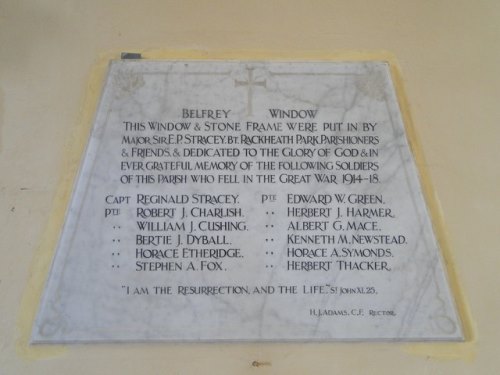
280,198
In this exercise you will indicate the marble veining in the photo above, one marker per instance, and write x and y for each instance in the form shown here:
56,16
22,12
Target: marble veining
96,291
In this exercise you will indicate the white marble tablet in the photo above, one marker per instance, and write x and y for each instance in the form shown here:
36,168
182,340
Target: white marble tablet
237,200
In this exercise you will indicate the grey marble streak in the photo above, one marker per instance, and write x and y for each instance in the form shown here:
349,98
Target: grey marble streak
84,299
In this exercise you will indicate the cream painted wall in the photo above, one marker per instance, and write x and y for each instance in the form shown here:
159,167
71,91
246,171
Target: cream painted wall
52,59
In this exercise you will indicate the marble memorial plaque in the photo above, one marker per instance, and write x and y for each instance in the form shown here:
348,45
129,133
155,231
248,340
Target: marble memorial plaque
247,201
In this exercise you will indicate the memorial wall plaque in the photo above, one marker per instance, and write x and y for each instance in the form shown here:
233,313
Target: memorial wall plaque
244,200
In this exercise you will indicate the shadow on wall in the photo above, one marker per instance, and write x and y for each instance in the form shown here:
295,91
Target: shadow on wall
1,118
18,43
